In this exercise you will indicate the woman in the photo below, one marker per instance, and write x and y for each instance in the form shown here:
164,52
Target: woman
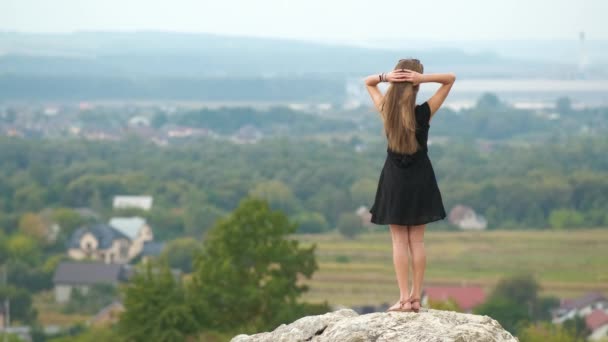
407,197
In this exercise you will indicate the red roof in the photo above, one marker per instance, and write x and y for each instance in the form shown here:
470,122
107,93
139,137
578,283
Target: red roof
596,319
467,297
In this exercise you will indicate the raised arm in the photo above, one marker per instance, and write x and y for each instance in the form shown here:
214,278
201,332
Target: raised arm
371,83
437,99
446,80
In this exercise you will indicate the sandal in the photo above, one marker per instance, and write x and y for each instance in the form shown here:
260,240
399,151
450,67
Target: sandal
414,300
401,306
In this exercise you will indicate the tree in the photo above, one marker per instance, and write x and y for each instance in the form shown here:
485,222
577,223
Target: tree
24,248
578,326
508,312
563,105
488,101
277,193
247,271
32,225
311,222
179,253
167,224
520,288
157,307
199,217
98,297
566,218
513,302
68,219
547,331
350,225
21,308
363,191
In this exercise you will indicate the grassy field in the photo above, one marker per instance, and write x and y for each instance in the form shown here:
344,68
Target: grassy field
49,312
360,271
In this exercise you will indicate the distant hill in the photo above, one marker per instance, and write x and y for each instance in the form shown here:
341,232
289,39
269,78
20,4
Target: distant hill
206,55
109,65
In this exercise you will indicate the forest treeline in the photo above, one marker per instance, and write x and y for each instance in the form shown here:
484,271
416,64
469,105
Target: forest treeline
554,185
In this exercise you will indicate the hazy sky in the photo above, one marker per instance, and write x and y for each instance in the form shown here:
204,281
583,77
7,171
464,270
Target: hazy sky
342,20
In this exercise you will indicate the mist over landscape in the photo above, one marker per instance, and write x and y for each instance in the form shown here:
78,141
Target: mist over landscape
194,171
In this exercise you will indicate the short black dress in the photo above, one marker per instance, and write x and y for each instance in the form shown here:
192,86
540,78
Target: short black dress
407,192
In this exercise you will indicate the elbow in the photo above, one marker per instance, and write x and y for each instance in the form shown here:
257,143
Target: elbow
452,77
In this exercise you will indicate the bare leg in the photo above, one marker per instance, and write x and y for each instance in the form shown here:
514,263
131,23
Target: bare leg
416,242
400,238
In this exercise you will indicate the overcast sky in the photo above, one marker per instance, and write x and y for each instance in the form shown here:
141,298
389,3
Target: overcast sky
336,20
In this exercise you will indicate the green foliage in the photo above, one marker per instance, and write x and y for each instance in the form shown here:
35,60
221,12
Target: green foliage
180,253
167,224
509,313
514,302
156,306
521,289
246,276
229,120
514,181
94,334
544,306
97,297
21,308
33,278
69,220
566,218
277,194
578,327
350,225
311,222
547,331
24,248
10,338
449,304
198,218
345,259
363,190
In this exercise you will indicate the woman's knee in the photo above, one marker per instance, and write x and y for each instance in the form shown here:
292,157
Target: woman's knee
416,233
399,234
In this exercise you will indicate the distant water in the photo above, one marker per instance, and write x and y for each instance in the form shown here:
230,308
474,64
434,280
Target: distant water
534,93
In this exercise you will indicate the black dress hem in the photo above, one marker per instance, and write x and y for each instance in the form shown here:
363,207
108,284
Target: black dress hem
377,221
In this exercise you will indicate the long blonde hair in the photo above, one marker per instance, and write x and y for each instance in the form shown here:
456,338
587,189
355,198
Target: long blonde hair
397,109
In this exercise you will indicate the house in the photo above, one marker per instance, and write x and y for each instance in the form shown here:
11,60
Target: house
597,322
152,249
466,218
186,132
84,275
581,306
136,229
247,134
141,202
100,242
364,214
467,297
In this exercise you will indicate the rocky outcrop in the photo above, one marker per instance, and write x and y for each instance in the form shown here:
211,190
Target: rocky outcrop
345,325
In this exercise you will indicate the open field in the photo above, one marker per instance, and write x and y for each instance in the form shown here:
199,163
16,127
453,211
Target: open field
360,271
49,312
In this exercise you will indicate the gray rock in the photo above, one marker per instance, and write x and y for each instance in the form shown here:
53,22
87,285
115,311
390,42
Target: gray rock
346,325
